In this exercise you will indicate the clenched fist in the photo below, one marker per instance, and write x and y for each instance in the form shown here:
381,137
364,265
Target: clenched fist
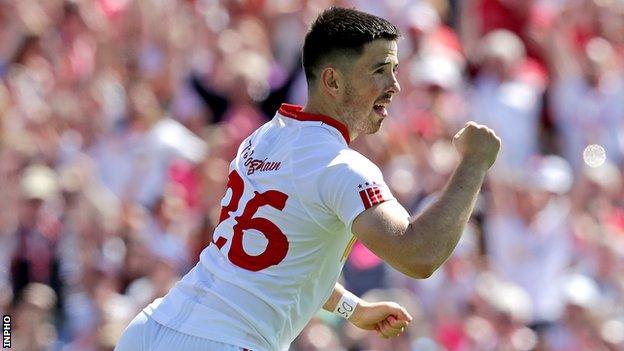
389,319
477,143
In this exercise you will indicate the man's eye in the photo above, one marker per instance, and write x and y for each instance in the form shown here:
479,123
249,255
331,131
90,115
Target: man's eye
381,70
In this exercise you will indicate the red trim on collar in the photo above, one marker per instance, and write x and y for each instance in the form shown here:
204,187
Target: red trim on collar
294,111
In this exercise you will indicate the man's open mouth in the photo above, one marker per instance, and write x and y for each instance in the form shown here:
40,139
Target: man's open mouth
380,109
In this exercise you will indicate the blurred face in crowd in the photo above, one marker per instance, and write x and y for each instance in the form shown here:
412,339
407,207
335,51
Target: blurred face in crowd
369,85
529,201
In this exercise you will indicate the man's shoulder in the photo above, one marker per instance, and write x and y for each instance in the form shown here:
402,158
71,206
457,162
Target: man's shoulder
326,150
311,146
285,131
317,145
320,135
352,159
348,164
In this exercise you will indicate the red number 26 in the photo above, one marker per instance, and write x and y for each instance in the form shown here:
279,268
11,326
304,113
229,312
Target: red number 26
277,245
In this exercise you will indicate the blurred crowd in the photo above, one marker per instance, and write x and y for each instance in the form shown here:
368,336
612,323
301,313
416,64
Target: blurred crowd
118,119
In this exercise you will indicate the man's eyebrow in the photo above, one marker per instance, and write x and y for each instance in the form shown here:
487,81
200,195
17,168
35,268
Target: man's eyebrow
383,63
380,64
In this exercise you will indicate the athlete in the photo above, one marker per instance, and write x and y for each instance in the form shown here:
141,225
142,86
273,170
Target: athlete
297,197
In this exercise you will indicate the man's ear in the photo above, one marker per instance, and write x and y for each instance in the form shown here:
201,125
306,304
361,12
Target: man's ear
332,81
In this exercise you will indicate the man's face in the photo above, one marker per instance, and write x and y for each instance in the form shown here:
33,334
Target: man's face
370,85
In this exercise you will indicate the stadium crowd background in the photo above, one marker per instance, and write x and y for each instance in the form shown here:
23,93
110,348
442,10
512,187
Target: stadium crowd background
118,119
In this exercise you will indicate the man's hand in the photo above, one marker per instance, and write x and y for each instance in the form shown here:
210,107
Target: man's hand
388,318
477,143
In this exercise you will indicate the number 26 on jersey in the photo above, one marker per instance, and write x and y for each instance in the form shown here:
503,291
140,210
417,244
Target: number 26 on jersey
277,243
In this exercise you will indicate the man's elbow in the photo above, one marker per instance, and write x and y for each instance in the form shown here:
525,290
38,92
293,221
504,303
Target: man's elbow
422,264
420,271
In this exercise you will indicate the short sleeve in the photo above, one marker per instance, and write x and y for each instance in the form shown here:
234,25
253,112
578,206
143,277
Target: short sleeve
352,184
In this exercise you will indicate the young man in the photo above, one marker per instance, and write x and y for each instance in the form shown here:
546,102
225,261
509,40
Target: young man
296,193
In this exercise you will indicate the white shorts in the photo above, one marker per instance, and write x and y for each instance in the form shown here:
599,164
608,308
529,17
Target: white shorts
143,334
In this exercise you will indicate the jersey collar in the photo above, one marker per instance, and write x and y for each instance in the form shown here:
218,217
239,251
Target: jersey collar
295,111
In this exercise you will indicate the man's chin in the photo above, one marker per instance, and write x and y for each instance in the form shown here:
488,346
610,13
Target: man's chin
375,126
379,121
378,126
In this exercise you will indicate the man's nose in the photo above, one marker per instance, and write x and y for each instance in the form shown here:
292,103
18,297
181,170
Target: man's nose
394,87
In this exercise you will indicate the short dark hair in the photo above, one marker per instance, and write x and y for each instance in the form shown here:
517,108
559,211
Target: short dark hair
341,31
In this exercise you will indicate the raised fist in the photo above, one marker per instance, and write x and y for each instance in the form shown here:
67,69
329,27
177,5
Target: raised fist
477,143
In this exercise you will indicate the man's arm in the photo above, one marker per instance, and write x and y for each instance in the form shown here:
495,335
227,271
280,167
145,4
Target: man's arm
417,249
332,301
387,318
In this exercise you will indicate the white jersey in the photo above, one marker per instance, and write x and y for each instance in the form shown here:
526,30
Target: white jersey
294,190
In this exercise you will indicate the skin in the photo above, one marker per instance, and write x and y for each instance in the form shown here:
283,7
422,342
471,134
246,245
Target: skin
348,91
388,319
419,247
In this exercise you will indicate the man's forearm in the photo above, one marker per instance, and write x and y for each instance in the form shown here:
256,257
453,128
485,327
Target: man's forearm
418,248
333,299
388,318
439,227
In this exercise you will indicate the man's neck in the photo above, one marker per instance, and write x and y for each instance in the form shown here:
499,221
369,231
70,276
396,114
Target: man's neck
321,108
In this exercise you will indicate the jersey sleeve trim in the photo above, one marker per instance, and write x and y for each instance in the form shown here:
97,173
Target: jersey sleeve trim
351,185
379,198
